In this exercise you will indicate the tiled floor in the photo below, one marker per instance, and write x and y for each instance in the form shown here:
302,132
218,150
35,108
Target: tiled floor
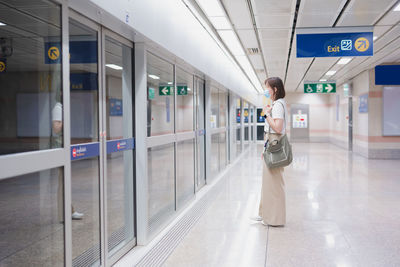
342,210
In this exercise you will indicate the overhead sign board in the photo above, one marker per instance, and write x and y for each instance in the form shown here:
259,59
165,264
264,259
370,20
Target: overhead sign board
310,88
341,44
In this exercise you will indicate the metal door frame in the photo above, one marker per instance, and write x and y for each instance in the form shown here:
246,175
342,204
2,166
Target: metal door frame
102,32
198,183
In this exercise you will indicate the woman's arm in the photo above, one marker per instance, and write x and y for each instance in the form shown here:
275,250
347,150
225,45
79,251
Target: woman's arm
275,124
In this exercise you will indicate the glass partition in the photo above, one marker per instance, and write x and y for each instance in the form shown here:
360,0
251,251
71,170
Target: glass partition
160,100
215,118
184,101
31,109
32,223
161,184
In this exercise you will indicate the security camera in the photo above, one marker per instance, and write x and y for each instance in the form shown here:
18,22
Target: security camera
6,49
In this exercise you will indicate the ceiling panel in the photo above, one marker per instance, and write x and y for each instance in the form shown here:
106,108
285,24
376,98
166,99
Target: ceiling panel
317,13
364,12
272,21
391,18
256,61
268,34
319,68
393,33
248,38
266,7
239,13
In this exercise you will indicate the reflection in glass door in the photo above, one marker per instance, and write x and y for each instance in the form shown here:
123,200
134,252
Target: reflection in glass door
118,115
102,168
85,146
200,134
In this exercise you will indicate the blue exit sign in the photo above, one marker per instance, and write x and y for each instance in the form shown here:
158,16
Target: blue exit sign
352,44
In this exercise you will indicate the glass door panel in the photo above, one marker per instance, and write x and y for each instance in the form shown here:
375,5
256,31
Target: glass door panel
119,144
200,133
85,146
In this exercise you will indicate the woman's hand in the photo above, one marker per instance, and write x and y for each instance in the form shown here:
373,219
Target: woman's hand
267,109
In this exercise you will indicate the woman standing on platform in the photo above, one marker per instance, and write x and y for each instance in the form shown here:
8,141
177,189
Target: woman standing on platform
272,209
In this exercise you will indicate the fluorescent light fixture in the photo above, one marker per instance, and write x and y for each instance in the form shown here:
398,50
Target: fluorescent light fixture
375,37
211,8
220,23
155,77
322,80
231,41
169,82
344,61
113,66
397,8
189,89
2,24
330,73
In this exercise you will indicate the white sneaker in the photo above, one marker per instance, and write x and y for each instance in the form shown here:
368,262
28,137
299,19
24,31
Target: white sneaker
256,218
77,216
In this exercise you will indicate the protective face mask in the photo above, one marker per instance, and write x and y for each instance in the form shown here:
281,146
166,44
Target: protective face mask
266,93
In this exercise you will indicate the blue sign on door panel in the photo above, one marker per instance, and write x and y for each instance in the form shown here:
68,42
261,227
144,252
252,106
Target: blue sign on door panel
120,145
85,151
353,44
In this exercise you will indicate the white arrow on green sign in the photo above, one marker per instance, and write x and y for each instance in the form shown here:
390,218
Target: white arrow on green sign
165,90
310,88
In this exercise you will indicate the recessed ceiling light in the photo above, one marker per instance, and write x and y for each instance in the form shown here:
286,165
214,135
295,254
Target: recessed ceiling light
330,73
169,82
113,66
322,80
2,24
155,77
375,37
397,8
344,61
189,89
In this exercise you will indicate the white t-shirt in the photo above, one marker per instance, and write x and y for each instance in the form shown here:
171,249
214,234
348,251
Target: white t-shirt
279,111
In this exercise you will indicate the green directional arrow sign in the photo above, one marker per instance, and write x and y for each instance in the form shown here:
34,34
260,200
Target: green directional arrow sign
165,90
310,88
182,90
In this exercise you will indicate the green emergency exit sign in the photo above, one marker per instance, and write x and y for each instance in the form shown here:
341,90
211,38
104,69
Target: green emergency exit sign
310,88
166,90
182,90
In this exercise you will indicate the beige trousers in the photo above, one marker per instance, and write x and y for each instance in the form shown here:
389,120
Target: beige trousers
272,204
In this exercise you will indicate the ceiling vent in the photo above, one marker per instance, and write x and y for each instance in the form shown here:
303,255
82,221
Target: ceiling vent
253,51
